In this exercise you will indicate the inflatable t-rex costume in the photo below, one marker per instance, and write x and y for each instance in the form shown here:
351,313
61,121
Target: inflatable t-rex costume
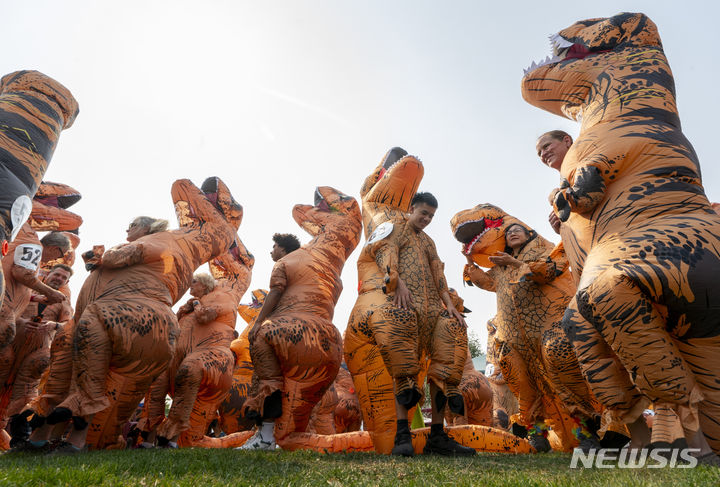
505,404
125,329
534,355
381,342
297,350
230,409
638,230
34,109
201,373
339,405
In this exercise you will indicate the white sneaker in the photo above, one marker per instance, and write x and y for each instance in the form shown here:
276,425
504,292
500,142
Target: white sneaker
257,442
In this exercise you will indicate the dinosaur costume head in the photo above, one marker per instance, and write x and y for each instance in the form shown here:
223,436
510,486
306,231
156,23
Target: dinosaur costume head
219,195
481,230
585,67
388,190
334,214
49,212
249,311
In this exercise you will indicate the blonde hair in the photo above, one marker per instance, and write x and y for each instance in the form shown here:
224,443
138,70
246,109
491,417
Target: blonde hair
154,225
206,280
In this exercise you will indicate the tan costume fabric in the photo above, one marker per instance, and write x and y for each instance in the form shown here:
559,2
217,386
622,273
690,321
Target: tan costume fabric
638,227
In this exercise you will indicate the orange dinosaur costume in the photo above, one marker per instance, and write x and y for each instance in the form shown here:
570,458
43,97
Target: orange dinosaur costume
296,351
339,404
230,409
34,109
638,227
381,341
201,373
504,401
125,330
534,356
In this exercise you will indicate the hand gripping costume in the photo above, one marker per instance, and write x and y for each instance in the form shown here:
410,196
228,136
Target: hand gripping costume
638,228
297,350
34,109
534,355
126,331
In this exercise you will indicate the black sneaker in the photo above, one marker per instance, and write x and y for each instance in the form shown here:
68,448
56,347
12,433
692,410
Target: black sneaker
540,443
588,444
441,444
66,448
403,445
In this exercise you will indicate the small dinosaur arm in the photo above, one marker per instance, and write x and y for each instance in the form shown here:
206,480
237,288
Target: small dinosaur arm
374,354
296,351
639,230
34,109
133,288
534,356
202,371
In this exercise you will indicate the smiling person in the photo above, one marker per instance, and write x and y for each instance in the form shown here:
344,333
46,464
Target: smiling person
551,149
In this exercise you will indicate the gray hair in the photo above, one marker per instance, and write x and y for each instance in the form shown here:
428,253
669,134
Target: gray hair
206,280
154,225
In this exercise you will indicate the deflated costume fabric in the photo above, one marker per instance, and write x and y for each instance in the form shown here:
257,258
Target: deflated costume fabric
297,350
382,343
532,351
201,372
638,228
34,109
125,329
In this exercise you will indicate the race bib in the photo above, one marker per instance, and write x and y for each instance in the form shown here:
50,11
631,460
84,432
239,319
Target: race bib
382,231
28,256
489,369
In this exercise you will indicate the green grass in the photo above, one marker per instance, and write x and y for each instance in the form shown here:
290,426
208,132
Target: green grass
204,468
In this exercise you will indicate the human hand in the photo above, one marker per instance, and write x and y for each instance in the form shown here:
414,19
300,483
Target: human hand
458,316
503,259
403,298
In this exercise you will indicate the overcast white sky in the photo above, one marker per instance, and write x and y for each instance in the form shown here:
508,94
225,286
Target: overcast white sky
279,97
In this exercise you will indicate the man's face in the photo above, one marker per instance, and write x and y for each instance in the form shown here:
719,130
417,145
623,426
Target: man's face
421,214
552,151
57,278
277,252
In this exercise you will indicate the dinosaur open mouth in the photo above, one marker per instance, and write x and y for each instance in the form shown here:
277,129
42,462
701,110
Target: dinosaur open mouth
320,202
562,50
61,201
392,158
471,231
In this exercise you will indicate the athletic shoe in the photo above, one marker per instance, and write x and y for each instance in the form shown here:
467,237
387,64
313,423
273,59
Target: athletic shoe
403,445
257,442
587,444
441,444
540,443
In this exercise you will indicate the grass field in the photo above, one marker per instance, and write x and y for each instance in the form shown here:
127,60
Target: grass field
204,468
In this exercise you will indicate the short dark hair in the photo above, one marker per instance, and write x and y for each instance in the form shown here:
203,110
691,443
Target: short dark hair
63,267
426,198
557,134
287,241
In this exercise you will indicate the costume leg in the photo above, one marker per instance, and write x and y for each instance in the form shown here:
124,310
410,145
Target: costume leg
92,351
701,355
322,417
27,380
517,378
635,331
154,408
448,351
268,377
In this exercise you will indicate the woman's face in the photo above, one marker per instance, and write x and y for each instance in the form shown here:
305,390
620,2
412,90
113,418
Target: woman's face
135,231
516,237
197,289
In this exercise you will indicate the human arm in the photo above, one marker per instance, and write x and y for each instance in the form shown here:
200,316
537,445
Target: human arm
28,277
445,296
475,276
